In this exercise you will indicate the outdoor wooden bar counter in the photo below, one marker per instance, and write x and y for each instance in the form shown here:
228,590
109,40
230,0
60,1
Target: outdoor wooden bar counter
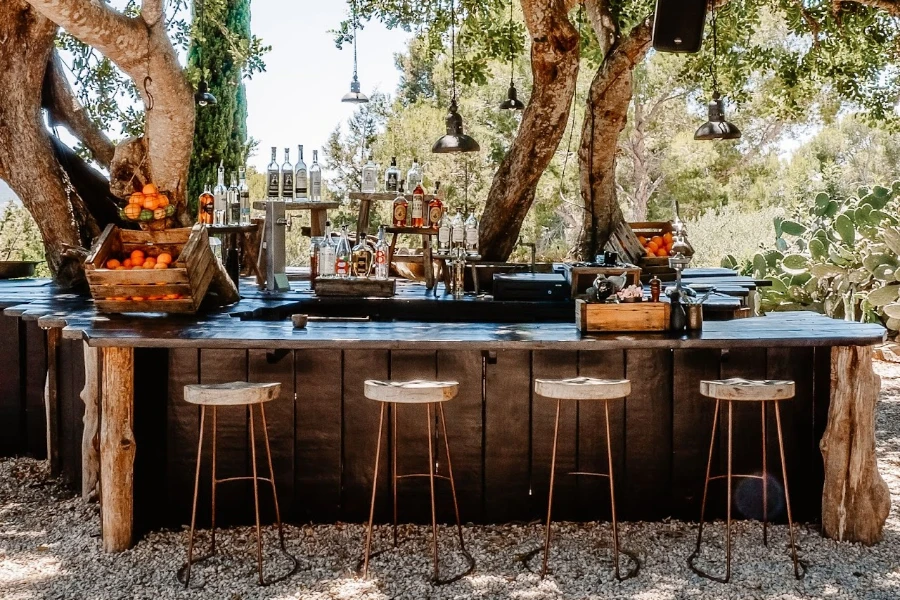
140,436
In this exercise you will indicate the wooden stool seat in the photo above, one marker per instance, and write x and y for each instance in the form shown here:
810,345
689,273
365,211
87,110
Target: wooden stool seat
417,391
583,388
738,389
236,393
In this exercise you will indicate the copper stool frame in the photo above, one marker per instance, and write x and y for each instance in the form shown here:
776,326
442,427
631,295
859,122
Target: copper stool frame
184,574
612,495
799,566
431,475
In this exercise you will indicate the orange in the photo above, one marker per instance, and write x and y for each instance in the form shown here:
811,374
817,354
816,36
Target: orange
163,200
150,263
649,253
137,257
154,297
161,265
151,202
657,240
119,298
150,188
113,263
164,257
120,268
133,211
127,263
171,296
137,298
642,240
668,238
653,247
662,252
136,198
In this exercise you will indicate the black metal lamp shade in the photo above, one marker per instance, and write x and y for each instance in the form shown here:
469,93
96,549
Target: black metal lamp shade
203,97
512,101
355,96
716,127
455,140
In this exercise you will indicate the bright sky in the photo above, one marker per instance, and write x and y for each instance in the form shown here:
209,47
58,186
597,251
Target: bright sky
298,99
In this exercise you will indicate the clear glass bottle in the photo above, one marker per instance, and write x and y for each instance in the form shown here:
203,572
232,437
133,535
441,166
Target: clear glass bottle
401,208
444,231
233,200
369,177
244,196
315,179
471,235
206,206
326,254
382,268
457,231
362,259
273,178
287,177
417,209
392,177
301,177
414,175
435,208
221,196
315,243
459,272
343,254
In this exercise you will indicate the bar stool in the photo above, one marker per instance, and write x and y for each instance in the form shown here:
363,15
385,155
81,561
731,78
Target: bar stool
585,389
240,394
432,394
744,390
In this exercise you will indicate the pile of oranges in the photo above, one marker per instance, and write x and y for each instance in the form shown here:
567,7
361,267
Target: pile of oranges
147,205
658,246
138,259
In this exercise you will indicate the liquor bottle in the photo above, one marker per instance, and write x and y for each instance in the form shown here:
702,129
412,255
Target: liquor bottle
362,259
444,230
244,196
417,210
287,177
206,206
220,192
233,200
435,209
273,178
471,235
301,177
401,208
315,179
342,255
414,175
369,177
392,177
457,231
314,244
381,256
326,254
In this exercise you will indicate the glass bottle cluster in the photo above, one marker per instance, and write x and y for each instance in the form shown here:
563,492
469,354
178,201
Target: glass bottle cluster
225,205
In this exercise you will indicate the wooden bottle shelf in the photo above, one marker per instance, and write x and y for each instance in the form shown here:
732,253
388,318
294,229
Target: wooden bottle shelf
412,230
300,205
384,196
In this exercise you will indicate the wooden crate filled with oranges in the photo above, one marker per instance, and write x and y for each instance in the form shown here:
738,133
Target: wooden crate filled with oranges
150,208
657,241
154,271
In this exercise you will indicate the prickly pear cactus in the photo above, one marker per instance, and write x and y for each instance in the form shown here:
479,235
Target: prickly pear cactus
841,258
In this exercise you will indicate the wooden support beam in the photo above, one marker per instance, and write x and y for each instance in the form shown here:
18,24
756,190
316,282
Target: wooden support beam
51,400
117,449
90,439
855,500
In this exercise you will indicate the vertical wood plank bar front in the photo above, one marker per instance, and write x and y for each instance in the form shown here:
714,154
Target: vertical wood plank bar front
117,449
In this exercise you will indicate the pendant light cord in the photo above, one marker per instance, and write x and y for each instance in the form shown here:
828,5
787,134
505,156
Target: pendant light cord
512,56
354,40
200,45
715,47
453,46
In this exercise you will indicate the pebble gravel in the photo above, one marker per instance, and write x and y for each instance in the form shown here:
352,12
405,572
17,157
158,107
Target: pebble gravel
49,550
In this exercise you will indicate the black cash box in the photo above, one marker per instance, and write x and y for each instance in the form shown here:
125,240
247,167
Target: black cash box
531,286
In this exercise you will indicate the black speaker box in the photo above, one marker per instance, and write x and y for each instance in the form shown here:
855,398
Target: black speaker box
678,26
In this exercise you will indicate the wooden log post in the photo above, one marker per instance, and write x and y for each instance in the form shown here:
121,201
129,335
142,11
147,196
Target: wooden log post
117,449
51,399
90,439
855,499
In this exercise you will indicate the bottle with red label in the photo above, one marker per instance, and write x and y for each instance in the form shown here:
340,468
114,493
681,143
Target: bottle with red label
382,267
401,208
435,208
417,210
342,255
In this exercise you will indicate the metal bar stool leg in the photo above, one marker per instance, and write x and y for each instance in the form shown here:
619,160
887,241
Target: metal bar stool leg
256,499
728,509
712,446
612,492
265,428
215,426
374,489
434,531
787,495
550,496
393,410
765,479
187,576
462,544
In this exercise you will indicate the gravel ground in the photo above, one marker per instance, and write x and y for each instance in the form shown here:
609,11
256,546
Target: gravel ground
49,549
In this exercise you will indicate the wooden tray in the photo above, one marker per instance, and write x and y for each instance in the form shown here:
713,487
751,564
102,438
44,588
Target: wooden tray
633,316
194,269
355,287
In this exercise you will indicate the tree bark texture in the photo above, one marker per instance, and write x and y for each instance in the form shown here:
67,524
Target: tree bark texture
117,449
605,117
554,65
90,439
855,499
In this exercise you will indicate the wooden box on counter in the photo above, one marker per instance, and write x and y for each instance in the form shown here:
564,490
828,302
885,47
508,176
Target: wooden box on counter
355,287
625,316
193,270
581,278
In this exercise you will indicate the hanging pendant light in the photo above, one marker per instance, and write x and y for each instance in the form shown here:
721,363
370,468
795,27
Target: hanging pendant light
716,127
455,139
203,97
512,101
354,96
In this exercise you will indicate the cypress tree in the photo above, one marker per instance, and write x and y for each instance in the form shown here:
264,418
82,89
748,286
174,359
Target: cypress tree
220,131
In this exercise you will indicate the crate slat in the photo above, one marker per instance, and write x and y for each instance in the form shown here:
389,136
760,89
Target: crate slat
634,316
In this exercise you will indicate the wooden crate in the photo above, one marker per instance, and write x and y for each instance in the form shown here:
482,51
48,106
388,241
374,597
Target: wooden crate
356,287
625,316
193,269
581,278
